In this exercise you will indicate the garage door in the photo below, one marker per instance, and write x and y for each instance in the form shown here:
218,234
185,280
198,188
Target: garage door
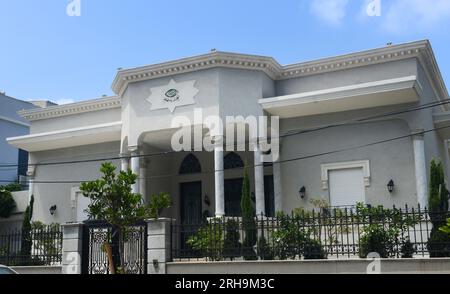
346,186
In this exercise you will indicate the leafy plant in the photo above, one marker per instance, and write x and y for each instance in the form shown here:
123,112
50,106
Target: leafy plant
26,241
438,209
232,247
248,219
386,228
7,203
265,252
313,249
408,249
288,237
13,187
47,243
113,200
377,239
208,241
446,228
158,202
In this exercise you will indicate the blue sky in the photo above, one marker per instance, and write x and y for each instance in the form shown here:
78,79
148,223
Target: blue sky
46,54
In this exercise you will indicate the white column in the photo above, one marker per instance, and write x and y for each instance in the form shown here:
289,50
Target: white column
219,179
143,180
420,168
30,177
277,186
135,168
259,183
124,161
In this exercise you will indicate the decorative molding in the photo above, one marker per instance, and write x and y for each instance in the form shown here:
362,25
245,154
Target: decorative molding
71,109
421,50
364,164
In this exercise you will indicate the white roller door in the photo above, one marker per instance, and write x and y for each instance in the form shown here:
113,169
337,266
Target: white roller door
346,186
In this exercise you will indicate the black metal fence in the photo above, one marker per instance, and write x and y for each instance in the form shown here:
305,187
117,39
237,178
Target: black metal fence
349,232
34,247
95,259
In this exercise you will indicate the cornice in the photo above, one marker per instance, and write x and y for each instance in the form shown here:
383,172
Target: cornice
420,50
214,59
71,109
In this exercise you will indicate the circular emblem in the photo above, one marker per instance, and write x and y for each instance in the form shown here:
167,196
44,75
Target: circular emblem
172,95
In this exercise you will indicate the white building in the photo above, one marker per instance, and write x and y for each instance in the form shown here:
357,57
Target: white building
339,164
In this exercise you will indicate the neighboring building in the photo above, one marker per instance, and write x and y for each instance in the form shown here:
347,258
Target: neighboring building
305,96
11,125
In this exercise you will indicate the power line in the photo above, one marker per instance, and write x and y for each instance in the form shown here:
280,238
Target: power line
287,134
281,161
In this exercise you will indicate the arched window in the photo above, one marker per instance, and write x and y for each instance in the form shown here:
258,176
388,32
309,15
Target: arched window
190,165
232,160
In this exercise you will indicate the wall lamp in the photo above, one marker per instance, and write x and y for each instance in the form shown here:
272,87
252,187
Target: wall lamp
206,200
391,186
52,209
302,192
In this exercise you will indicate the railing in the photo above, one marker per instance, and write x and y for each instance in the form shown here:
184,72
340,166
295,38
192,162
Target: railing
32,248
329,233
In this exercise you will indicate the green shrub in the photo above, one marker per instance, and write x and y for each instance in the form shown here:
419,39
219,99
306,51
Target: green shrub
158,202
7,203
231,246
13,187
265,252
377,239
313,249
439,244
208,241
408,249
248,220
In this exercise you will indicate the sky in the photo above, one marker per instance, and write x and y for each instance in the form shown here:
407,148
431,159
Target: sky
50,52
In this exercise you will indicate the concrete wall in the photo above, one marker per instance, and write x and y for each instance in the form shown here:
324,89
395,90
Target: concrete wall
353,266
59,194
38,270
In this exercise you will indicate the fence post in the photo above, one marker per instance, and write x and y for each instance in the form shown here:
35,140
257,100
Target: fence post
72,248
159,245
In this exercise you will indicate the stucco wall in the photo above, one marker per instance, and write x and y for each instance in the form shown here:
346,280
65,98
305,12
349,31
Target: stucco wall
48,194
76,121
392,160
376,72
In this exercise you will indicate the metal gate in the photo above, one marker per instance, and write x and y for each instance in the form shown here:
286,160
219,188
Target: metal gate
95,259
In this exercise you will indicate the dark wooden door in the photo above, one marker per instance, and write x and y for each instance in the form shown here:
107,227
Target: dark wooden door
191,203
233,192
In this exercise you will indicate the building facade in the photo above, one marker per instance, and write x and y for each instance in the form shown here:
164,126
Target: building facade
348,125
12,124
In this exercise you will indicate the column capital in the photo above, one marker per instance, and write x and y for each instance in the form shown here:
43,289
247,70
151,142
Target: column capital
417,134
133,149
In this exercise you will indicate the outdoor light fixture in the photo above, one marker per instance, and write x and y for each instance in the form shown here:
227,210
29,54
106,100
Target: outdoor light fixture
52,209
206,200
302,192
391,186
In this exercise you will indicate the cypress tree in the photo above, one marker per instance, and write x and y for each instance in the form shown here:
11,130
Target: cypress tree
439,242
248,219
26,243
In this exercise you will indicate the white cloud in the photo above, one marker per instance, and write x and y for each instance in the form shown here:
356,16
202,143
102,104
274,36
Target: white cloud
400,16
330,11
64,101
